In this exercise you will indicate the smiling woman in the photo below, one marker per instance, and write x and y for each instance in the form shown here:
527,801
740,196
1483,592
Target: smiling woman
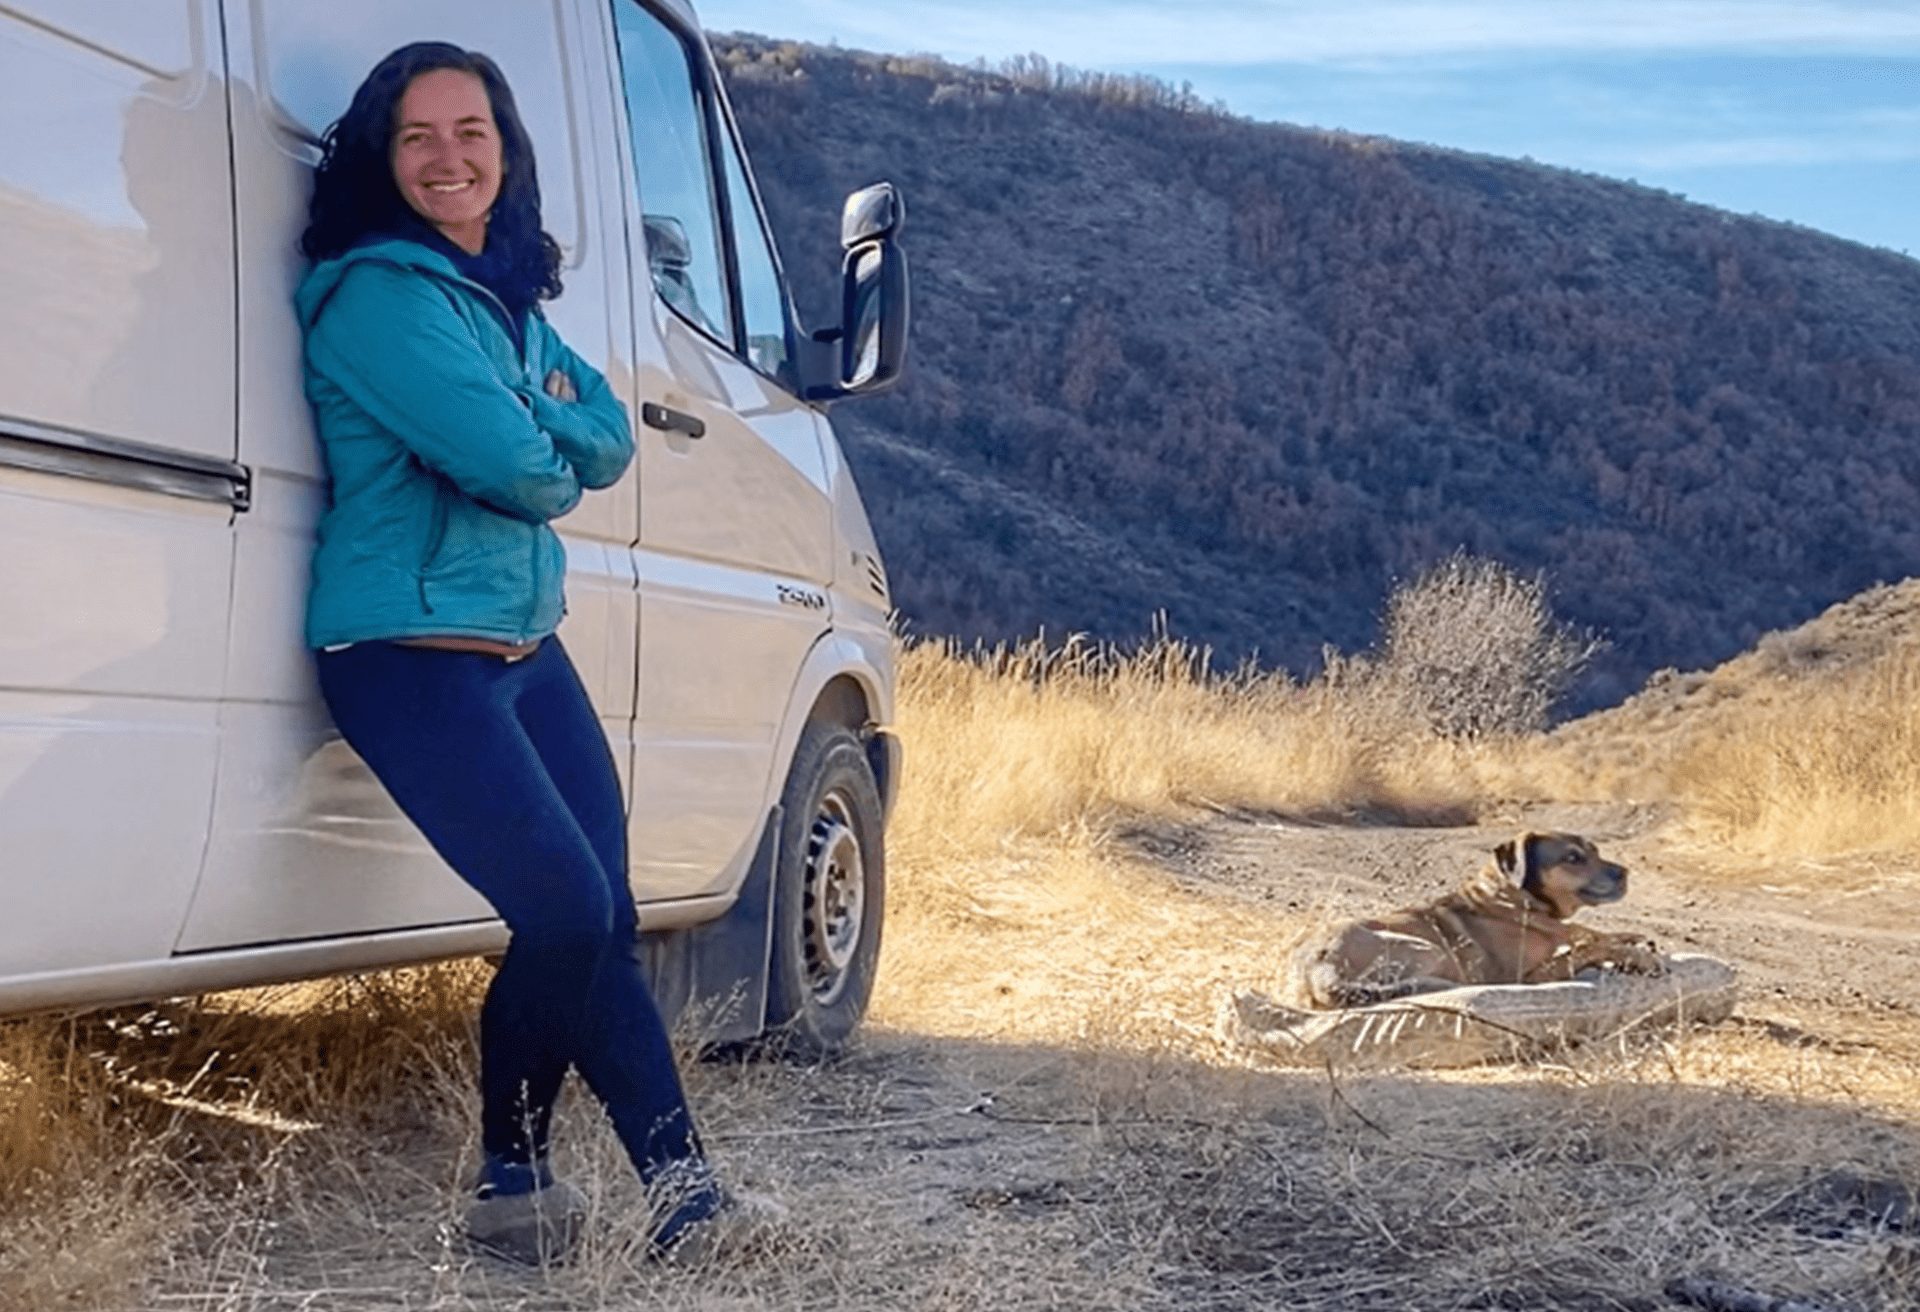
456,427
447,156
434,144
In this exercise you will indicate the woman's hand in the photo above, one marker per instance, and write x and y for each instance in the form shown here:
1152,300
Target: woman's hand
576,409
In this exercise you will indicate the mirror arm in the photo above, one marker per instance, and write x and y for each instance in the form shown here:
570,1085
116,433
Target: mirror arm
817,365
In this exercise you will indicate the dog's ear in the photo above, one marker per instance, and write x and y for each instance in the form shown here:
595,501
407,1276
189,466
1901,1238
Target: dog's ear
1518,860
1530,845
1508,861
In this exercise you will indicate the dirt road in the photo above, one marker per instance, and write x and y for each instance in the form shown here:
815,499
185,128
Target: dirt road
1077,1140
1843,936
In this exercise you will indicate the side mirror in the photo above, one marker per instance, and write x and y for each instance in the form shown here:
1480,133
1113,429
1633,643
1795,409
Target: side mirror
871,214
873,344
670,259
871,340
668,250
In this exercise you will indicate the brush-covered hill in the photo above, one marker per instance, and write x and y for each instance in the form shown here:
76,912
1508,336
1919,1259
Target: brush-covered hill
1794,683
1250,374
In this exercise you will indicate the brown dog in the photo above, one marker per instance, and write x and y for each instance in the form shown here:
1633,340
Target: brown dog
1506,925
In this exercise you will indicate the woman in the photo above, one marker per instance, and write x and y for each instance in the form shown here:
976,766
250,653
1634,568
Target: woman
456,424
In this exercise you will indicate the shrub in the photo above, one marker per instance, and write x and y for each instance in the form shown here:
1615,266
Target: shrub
1472,649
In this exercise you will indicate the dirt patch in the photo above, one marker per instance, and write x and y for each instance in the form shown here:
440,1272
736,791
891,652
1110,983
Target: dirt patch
955,1175
1810,934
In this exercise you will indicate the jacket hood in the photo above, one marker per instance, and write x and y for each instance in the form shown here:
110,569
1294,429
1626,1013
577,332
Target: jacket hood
323,279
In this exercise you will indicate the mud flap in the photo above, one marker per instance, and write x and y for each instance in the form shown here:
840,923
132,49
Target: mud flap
710,980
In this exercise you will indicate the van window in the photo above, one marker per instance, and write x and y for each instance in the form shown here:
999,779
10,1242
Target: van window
763,298
674,167
154,36
116,223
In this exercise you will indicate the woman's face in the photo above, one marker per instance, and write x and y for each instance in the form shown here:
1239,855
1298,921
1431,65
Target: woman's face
446,154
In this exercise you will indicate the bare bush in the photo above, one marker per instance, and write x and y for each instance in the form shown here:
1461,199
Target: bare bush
1471,649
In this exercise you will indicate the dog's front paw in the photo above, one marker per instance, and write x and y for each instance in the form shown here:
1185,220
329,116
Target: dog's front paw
1636,956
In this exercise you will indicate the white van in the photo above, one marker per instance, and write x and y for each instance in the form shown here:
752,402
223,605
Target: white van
177,814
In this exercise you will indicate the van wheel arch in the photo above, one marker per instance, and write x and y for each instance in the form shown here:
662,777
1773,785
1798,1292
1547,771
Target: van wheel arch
844,702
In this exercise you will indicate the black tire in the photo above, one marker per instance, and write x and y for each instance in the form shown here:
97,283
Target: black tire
829,896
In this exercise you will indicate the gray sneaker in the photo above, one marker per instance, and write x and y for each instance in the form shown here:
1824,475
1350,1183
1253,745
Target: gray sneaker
534,1229
697,1227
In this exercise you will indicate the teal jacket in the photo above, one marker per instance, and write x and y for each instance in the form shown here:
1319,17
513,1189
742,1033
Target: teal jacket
446,454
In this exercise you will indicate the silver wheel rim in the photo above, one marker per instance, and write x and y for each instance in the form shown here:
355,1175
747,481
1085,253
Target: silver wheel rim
833,898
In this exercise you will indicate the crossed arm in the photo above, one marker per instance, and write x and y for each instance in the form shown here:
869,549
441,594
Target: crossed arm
398,349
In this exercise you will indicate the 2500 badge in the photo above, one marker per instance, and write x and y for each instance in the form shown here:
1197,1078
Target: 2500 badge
803,597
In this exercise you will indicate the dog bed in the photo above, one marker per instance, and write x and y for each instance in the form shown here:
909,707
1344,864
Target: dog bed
1486,1022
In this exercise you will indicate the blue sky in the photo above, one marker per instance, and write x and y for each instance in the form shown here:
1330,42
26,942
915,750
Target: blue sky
1804,110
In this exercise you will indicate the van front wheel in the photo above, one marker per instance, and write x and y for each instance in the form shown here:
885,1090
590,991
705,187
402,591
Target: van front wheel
829,897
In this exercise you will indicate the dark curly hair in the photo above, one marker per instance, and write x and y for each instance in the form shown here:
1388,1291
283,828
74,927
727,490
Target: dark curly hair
353,191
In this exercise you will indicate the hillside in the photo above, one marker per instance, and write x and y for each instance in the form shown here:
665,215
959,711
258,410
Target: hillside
1250,374
1827,698
1846,638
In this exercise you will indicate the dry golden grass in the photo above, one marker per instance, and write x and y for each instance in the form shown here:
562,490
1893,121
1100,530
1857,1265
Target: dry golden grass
1832,769
1022,762
136,1140
1021,742
1038,1115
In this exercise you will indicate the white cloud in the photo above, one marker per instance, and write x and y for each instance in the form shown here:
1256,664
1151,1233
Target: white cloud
1893,118
1749,152
1129,32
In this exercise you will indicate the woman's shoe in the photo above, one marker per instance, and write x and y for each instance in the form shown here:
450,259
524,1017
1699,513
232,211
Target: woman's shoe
524,1215
696,1216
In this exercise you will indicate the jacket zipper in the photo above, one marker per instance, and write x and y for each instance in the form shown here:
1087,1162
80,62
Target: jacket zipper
436,538
521,347
533,579
522,339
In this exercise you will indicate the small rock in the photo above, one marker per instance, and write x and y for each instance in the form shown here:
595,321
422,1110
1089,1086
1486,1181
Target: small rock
1839,1202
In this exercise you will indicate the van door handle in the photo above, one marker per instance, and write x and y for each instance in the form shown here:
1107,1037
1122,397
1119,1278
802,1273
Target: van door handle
671,421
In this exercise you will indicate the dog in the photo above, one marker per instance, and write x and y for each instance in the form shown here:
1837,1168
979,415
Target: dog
1506,925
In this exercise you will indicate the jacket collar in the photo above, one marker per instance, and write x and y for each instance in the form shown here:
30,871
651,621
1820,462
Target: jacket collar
323,279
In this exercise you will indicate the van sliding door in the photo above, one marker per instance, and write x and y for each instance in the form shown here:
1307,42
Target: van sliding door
306,843
118,487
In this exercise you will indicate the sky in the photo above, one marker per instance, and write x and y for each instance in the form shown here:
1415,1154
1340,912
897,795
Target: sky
1802,110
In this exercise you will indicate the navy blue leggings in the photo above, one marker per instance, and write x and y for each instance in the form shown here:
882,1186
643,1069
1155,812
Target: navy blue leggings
505,768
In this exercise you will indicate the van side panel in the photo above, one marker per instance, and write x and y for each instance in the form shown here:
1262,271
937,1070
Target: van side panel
116,356
305,842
